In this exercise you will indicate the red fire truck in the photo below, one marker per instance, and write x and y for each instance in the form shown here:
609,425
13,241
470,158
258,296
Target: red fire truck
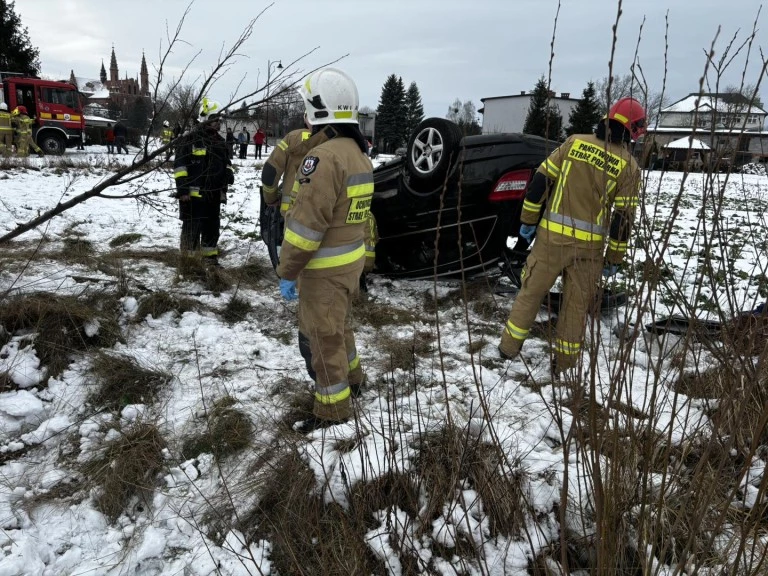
56,107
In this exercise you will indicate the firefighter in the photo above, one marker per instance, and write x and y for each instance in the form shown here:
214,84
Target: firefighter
167,134
23,127
590,186
165,138
203,172
324,246
6,130
284,161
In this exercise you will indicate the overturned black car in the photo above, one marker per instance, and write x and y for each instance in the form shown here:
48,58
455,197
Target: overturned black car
466,192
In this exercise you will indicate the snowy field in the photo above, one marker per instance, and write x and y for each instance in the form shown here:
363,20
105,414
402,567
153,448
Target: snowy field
48,428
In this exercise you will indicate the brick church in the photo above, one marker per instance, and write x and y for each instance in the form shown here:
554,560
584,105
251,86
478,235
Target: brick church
113,88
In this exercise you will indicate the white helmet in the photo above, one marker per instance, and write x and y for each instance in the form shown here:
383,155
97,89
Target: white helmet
166,124
330,97
209,109
3,106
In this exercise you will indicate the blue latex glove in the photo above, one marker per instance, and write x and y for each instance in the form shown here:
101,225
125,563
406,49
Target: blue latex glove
288,289
610,270
527,231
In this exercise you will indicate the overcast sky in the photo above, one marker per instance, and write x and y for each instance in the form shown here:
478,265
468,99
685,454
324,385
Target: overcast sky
466,49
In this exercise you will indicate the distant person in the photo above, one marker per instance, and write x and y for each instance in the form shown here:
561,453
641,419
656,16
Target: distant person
121,135
242,139
80,145
259,139
230,142
109,138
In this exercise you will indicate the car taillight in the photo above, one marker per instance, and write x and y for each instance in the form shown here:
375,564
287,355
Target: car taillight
511,186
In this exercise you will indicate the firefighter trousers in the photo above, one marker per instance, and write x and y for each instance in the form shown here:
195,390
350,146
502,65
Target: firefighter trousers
205,221
23,143
189,242
6,141
327,342
581,268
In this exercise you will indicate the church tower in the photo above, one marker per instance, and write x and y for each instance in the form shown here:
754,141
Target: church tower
144,75
113,72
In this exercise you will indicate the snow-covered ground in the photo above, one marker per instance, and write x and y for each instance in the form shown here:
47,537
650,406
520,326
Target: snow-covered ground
252,360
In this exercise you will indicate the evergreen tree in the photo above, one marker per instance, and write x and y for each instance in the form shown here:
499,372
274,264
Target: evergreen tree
391,114
586,114
414,109
544,118
137,115
17,54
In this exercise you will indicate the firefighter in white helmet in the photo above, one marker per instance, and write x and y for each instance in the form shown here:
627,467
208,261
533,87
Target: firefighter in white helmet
324,248
203,173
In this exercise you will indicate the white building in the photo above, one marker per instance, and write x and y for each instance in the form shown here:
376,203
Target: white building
508,113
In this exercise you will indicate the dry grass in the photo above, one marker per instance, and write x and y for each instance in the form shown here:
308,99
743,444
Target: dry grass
126,469
236,310
60,324
226,431
401,353
77,250
378,315
123,381
308,536
161,302
448,457
194,269
253,274
124,239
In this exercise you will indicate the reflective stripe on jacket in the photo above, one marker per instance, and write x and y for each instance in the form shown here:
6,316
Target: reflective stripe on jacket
5,121
592,181
202,166
325,228
284,160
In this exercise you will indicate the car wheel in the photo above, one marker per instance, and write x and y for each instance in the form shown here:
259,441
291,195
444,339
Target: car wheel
433,146
52,145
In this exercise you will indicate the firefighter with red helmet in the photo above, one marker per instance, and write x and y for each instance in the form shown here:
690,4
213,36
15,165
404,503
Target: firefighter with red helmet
324,244
6,130
22,125
590,186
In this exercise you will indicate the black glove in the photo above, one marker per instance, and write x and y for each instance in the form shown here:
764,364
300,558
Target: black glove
363,283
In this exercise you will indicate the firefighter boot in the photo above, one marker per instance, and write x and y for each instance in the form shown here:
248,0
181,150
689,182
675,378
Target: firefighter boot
314,423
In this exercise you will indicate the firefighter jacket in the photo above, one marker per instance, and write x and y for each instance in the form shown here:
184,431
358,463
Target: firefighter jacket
325,228
284,161
371,239
167,135
5,122
592,193
22,124
202,168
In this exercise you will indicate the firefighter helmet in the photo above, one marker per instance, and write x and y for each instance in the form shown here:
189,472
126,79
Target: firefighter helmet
3,106
166,124
330,97
209,109
631,114
20,110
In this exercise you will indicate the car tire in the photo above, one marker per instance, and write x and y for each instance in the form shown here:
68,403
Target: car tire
52,145
432,148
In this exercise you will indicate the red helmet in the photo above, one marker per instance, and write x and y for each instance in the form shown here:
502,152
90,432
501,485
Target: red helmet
631,114
21,110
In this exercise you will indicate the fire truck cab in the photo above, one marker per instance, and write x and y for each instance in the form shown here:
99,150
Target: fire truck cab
56,108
